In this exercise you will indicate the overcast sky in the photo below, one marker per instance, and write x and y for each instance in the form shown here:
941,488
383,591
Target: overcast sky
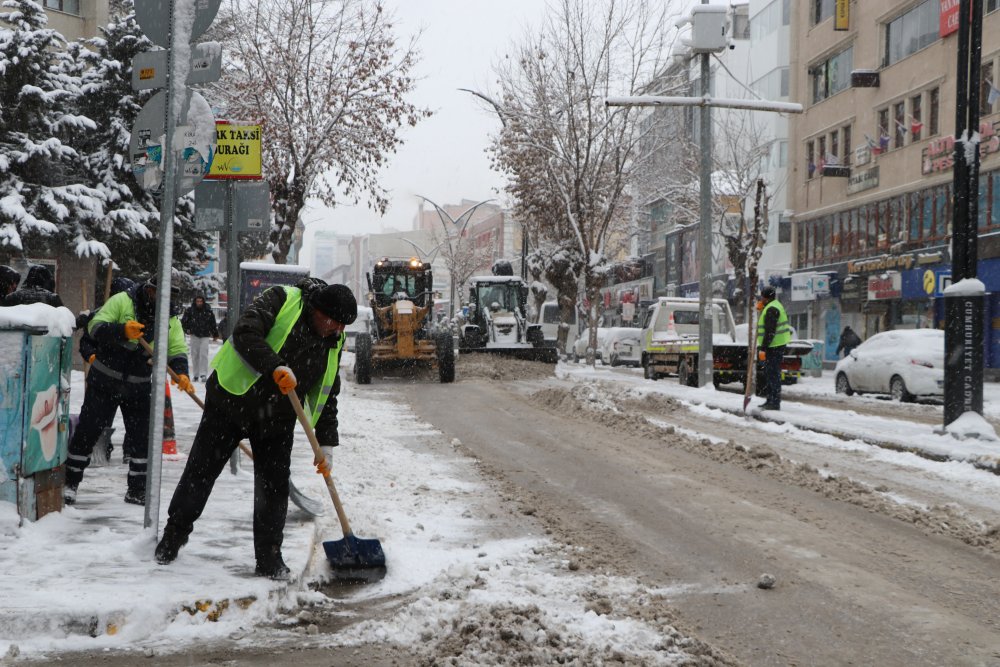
443,157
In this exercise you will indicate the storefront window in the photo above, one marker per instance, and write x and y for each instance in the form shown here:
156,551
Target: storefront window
871,227
928,215
984,207
854,247
942,225
827,238
916,210
996,199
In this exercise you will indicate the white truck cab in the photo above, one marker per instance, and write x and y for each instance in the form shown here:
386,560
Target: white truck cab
670,331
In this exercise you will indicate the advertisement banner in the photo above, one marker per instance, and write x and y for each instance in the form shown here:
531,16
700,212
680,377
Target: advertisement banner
842,15
802,287
885,286
47,407
949,17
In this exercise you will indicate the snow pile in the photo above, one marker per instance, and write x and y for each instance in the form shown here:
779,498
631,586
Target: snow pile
59,321
972,425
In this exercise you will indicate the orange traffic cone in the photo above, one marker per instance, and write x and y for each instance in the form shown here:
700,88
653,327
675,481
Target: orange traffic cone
169,437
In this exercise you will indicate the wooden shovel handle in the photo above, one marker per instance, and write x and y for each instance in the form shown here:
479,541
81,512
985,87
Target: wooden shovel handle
173,376
311,434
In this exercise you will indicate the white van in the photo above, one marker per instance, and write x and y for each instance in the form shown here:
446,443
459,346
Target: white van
549,319
361,325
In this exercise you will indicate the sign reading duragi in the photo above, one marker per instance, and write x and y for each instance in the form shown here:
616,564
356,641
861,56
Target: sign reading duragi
237,151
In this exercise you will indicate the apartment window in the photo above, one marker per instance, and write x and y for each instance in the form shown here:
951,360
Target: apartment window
882,131
741,25
912,31
67,6
899,120
769,19
810,159
821,153
916,117
822,10
834,148
933,122
845,133
991,6
985,81
832,75
773,85
782,154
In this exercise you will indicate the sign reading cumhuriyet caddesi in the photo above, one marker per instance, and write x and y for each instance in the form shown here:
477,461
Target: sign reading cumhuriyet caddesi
237,151
949,17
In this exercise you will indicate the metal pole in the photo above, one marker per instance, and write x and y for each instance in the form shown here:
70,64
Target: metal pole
232,284
157,403
705,361
963,336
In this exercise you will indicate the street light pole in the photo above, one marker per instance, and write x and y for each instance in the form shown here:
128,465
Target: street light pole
705,360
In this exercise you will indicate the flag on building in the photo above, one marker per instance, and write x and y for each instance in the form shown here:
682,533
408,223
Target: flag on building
883,142
915,125
875,148
832,160
994,94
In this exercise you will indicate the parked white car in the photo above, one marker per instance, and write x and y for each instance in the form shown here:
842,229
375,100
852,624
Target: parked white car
622,346
905,364
579,352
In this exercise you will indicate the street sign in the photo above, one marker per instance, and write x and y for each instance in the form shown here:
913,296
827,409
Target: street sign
252,207
237,152
149,69
154,18
194,141
210,206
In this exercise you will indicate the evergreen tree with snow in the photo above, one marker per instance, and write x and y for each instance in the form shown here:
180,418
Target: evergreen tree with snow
45,200
131,225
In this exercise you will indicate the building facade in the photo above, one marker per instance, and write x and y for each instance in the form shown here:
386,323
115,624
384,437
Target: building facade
871,166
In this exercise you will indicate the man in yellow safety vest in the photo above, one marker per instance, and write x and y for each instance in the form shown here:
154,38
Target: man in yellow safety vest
773,334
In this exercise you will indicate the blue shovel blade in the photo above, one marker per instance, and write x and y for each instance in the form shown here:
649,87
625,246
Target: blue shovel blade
354,559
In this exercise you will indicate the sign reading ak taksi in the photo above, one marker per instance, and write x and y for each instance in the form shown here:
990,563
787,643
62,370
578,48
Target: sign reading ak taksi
237,152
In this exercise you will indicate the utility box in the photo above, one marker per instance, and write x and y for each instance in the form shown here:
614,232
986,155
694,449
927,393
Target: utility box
34,418
708,29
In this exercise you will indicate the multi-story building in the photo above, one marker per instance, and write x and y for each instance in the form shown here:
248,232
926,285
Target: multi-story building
871,166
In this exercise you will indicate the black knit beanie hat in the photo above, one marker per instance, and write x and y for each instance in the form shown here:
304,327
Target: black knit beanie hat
336,302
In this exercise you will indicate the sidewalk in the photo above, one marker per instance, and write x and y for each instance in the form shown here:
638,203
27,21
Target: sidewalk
89,572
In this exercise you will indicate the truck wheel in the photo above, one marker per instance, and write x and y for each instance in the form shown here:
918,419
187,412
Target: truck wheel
446,358
647,369
363,359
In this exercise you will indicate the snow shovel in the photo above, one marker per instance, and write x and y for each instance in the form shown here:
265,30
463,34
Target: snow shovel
352,559
303,502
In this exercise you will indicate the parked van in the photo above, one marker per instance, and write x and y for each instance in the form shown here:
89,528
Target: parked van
361,325
548,317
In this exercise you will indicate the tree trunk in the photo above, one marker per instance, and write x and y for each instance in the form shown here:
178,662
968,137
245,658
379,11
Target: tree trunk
288,200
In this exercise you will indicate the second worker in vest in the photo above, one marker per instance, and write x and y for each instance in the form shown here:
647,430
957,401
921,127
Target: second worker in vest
773,335
288,339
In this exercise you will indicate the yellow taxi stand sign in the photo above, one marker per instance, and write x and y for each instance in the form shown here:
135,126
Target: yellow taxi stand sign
237,151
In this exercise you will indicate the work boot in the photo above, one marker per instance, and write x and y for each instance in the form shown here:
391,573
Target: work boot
273,569
135,496
170,544
69,494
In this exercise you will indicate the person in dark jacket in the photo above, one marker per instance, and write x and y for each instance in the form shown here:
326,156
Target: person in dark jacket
288,339
199,323
38,287
9,280
120,377
848,341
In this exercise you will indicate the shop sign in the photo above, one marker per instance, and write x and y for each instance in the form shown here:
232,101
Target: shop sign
842,15
850,289
802,289
883,263
939,154
949,17
820,285
860,181
862,155
885,286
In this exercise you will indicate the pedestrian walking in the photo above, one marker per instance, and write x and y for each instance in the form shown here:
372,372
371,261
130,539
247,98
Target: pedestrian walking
120,377
199,323
848,341
9,280
773,335
288,339
38,287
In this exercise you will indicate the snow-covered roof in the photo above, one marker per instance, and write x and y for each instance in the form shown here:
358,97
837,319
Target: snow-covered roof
280,268
58,321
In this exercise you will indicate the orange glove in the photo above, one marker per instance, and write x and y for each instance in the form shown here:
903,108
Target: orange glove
134,329
762,356
183,383
284,378
323,467
90,360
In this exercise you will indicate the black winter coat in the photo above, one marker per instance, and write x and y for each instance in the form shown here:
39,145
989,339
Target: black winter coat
304,351
200,322
38,287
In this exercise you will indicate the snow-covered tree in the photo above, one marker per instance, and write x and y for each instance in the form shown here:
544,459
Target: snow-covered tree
44,198
568,157
328,81
130,228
